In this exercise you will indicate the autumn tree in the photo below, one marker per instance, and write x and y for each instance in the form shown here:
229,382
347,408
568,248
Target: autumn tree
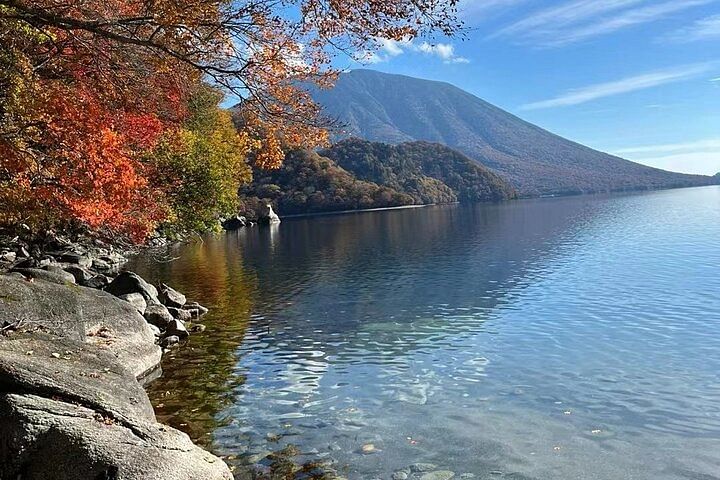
89,87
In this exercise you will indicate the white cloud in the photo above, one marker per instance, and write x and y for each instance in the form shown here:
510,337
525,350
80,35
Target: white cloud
582,19
703,29
445,51
388,49
639,82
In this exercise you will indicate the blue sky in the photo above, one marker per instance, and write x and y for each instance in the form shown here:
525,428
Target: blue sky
638,78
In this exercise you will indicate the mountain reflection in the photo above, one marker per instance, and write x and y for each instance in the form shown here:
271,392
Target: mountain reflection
304,282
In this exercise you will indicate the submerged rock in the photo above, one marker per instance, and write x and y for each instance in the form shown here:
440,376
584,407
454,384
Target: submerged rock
422,467
438,475
170,341
195,309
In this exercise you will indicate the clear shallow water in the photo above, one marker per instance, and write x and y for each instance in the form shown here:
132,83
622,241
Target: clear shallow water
569,338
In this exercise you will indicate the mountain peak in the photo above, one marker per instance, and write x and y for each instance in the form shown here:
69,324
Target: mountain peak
396,108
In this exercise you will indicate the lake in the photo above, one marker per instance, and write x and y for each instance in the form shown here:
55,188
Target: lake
562,338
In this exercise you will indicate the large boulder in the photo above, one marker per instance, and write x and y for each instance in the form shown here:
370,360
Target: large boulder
81,275
84,315
170,297
58,275
70,411
267,216
136,300
158,315
129,282
234,223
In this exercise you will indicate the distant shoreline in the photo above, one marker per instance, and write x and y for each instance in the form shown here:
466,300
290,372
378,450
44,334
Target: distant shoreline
363,210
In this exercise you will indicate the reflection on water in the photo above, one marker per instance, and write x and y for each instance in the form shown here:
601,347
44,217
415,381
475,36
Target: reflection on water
561,338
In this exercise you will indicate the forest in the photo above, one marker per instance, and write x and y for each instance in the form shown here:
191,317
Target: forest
111,111
358,174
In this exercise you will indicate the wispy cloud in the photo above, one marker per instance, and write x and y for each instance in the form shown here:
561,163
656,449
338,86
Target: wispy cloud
705,144
566,14
639,82
704,29
388,49
473,10
698,156
582,19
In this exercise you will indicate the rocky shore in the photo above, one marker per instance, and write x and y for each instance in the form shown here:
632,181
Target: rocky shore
77,340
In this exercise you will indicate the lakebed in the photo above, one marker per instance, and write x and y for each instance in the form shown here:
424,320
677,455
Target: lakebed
555,338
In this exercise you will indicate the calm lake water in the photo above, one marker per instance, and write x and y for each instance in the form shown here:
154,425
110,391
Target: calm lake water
567,338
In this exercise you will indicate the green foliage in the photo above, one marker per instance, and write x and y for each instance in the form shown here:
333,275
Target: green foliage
307,182
429,172
205,162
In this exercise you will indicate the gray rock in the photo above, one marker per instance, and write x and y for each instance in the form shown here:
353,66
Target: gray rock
8,257
234,223
85,315
170,341
467,476
438,475
27,263
176,328
101,265
136,300
195,309
170,297
129,282
45,262
76,258
180,313
81,275
268,216
59,276
155,330
158,315
422,467
98,281
401,475
82,415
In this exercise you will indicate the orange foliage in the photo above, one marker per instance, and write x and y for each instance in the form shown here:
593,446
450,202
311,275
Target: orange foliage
87,87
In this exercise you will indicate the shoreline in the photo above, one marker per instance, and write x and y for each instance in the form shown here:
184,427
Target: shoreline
79,342
363,210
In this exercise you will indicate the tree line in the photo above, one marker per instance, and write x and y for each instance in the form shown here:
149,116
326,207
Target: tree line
111,113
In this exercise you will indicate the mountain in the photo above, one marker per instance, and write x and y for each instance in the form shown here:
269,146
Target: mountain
429,172
395,108
357,174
